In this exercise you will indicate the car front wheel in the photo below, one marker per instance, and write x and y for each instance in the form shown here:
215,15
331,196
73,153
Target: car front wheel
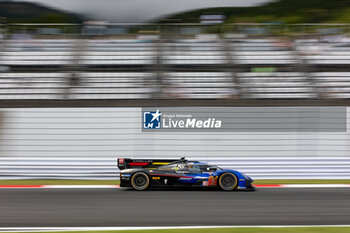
228,181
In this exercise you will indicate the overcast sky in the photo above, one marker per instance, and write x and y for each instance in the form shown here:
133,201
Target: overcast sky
138,10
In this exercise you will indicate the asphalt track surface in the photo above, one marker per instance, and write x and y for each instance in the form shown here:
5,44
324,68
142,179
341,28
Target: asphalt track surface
120,207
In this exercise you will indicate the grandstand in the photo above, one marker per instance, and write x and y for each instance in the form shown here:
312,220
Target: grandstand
221,66
71,103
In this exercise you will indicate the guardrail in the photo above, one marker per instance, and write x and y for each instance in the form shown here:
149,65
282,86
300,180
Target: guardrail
99,168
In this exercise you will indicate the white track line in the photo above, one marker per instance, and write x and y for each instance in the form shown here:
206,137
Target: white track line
303,186
80,186
43,229
316,186
117,186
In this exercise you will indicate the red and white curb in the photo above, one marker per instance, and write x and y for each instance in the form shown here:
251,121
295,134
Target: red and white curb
58,186
302,185
117,186
63,229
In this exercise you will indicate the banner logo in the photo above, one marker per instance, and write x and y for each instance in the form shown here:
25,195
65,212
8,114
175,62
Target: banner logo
152,120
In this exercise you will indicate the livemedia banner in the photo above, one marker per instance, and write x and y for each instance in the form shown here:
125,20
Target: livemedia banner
243,119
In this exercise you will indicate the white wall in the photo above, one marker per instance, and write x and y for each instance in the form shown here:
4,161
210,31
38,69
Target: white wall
85,134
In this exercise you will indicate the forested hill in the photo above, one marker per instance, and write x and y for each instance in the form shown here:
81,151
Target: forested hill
288,11
27,12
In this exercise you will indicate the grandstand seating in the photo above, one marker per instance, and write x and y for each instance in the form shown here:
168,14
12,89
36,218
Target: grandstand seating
332,84
262,52
193,52
199,85
30,52
275,85
316,52
118,52
139,85
112,86
32,85
200,67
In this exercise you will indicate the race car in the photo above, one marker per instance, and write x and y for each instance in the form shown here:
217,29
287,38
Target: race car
141,174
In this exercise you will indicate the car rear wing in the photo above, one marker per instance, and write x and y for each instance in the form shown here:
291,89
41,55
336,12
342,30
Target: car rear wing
126,163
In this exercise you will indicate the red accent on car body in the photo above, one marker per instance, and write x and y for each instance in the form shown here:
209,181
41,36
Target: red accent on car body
138,164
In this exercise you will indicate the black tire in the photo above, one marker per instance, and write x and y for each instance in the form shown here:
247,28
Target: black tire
228,181
140,181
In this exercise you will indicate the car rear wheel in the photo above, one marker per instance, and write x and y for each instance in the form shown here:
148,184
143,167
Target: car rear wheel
228,181
140,181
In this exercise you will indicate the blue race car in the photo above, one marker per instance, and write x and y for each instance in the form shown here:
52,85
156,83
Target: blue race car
141,174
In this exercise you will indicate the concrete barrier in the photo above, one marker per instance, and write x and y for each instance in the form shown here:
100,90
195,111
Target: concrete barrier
106,167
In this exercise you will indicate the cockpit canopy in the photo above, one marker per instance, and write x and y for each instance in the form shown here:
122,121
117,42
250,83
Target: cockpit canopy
190,167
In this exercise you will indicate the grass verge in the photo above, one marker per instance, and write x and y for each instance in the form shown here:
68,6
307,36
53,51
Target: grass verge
116,182
239,230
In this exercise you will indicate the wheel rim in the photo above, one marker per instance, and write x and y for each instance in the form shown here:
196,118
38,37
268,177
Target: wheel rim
228,182
140,181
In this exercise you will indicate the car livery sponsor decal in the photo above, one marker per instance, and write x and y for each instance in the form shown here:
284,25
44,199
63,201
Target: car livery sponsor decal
212,181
